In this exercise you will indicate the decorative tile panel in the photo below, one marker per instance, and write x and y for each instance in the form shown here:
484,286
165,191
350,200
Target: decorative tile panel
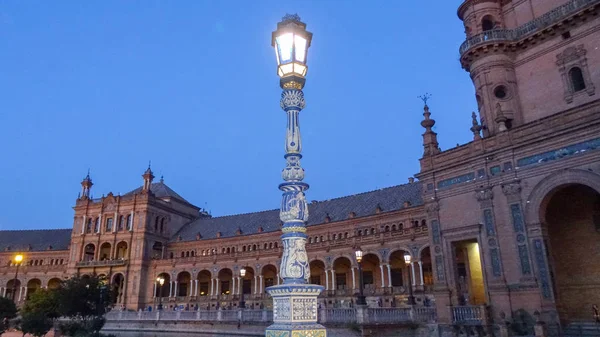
517,217
571,150
439,267
524,257
456,180
304,309
488,220
542,268
495,262
435,231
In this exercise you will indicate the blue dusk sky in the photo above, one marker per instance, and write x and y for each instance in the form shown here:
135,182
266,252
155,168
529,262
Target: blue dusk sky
192,86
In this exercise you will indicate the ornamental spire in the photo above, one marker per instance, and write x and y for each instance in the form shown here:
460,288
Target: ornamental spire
475,128
148,177
86,186
430,143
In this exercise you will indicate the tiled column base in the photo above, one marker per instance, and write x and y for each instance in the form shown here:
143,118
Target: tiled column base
295,311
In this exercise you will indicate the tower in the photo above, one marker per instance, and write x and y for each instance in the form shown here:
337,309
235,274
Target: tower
148,177
529,59
86,186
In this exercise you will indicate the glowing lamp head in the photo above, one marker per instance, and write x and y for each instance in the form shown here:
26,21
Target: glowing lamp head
291,42
359,255
407,258
19,258
160,281
243,272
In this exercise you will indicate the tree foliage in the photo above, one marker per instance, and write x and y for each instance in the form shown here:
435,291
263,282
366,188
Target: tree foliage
8,310
39,312
83,297
36,323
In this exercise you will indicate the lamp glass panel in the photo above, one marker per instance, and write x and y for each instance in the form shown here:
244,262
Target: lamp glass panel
286,69
285,44
277,55
300,69
300,48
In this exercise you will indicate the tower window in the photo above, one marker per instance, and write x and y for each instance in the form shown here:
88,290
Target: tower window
500,92
487,23
576,77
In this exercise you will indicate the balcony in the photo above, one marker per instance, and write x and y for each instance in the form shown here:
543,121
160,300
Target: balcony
547,20
469,315
103,263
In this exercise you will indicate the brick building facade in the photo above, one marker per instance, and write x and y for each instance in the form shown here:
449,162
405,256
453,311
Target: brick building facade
509,221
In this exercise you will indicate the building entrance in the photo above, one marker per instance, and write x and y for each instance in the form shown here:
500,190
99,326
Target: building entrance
470,285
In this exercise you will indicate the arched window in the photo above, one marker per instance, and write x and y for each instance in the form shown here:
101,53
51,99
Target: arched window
309,240
488,23
275,244
335,236
228,250
321,239
156,224
401,226
424,223
171,255
387,228
266,245
88,228
576,77
243,248
162,225
393,227
346,235
372,230
121,223
97,225
187,254
62,261
129,222
359,233
316,239
253,247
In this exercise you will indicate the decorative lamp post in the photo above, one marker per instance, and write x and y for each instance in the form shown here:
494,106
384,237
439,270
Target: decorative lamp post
411,298
18,260
242,274
161,282
360,300
295,306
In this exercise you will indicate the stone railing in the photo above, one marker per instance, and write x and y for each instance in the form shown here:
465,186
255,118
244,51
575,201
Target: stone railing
360,315
469,315
550,18
389,315
364,315
246,315
337,315
94,263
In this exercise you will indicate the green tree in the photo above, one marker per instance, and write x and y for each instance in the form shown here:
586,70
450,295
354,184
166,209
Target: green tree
84,300
36,323
39,312
43,301
84,297
8,310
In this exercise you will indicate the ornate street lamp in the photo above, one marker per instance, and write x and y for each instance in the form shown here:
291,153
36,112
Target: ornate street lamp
411,298
18,259
295,301
161,282
360,300
242,274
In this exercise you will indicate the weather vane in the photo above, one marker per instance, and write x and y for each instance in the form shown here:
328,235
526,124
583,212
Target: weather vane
425,97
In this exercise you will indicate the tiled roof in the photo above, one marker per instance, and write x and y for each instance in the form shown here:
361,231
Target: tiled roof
38,240
363,204
160,190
